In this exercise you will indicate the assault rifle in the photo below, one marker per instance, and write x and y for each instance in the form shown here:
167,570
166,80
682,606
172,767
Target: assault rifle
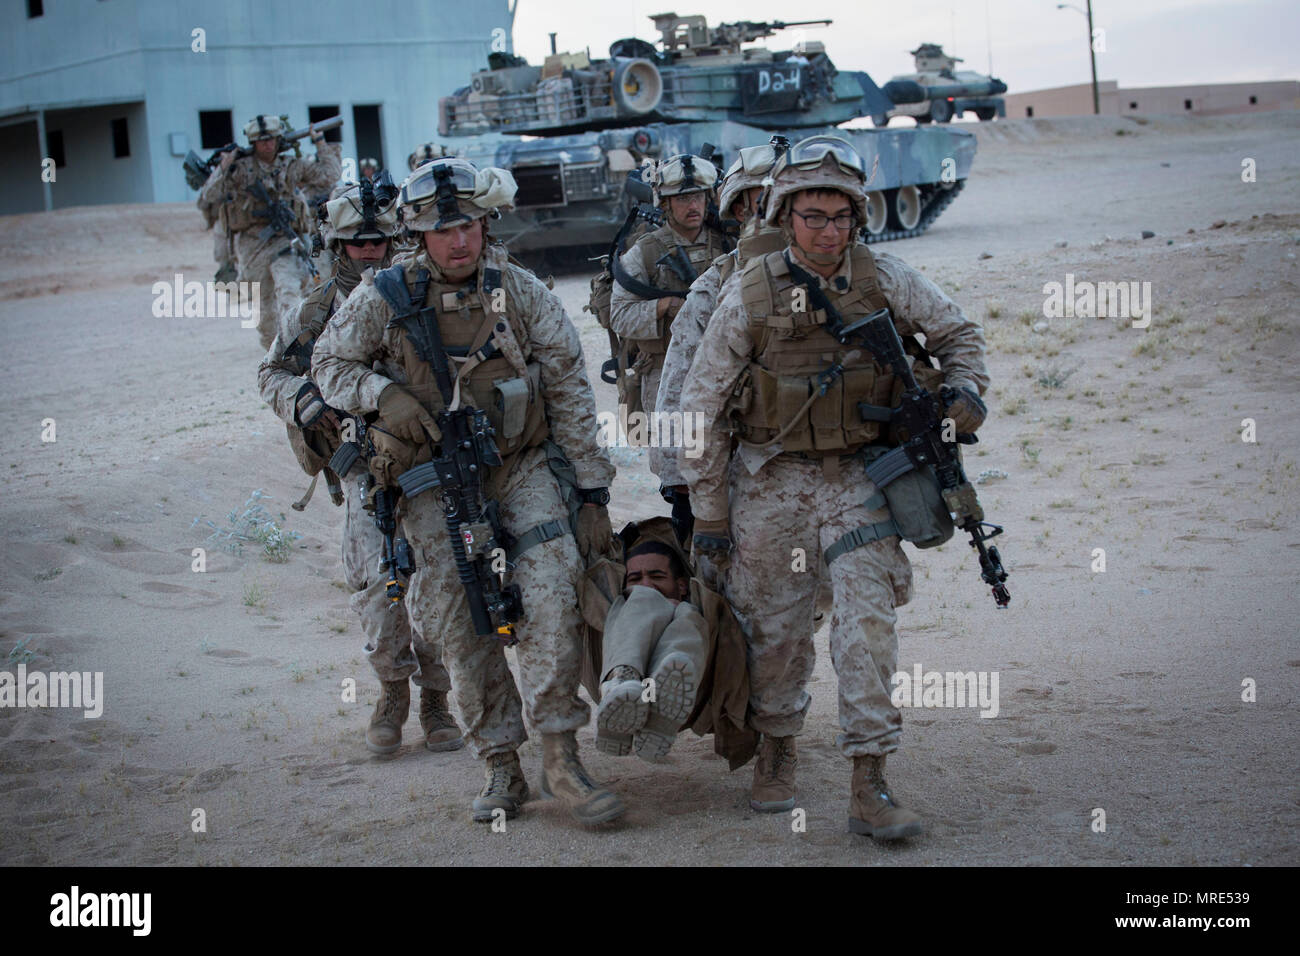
282,221
197,170
919,421
462,458
395,559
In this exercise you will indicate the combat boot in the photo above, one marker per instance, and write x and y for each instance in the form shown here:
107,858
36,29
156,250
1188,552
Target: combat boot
384,735
621,711
563,776
441,732
504,789
773,787
872,811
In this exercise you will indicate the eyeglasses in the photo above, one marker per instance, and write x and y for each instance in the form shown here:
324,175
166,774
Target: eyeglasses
811,152
817,221
362,243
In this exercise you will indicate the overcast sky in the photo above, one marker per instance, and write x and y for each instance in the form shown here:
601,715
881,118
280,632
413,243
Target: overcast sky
1033,44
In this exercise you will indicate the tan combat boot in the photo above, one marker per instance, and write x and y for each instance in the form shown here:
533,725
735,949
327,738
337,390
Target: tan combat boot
384,735
441,732
563,776
773,788
872,811
504,789
621,711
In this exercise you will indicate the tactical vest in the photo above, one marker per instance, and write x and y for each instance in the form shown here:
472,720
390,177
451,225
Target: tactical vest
792,348
242,204
473,336
752,244
666,270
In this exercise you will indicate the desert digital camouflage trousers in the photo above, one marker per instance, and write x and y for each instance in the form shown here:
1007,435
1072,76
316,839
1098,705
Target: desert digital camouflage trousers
549,652
395,650
644,627
282,282
790,504
648,376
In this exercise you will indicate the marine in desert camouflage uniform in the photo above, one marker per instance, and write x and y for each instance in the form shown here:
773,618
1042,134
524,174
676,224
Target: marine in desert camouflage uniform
359,223
796,480
521,362
667,259
281,275
739,202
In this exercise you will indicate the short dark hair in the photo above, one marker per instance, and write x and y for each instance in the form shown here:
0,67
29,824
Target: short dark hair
675,564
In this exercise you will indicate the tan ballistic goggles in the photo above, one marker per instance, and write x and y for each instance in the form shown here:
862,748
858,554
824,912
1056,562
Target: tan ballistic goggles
686,174
812,152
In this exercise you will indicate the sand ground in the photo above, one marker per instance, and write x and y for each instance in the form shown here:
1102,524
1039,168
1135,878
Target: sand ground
1120,690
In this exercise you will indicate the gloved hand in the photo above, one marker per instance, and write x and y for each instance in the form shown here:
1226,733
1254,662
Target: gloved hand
308,406
594,534
713,541
405,417
966,409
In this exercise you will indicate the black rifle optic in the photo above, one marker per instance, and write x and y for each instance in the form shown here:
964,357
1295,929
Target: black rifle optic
395,561
197,170
462,458
282,221
919,421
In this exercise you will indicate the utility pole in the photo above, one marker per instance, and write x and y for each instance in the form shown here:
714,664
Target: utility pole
1092,53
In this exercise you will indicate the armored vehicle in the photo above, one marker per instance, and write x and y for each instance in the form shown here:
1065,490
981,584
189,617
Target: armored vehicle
573,128
938,92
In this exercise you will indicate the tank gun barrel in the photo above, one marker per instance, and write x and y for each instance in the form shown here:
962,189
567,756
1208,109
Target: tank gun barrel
746,31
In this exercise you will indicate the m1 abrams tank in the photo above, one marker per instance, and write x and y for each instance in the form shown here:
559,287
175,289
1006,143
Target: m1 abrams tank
573,128
938,92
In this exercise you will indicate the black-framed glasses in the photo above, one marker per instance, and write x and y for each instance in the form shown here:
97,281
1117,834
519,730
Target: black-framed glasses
817,220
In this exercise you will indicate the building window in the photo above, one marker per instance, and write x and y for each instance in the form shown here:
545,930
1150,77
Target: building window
317,113
1029,112
366,132
35,8
121,141
54,147
216,128
1187,104
1254,100
1132,106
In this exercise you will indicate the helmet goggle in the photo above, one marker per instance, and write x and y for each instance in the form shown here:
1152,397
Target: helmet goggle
366,211
812,152
441,182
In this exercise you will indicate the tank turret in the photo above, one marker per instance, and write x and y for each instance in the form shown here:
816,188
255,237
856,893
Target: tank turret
938,91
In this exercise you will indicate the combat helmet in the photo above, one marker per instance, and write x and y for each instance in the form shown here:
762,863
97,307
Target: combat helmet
818,162
682,174
264,127
424,153
365,211
750,171
445,192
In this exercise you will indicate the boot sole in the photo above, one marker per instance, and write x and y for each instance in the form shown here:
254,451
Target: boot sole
896,832
619,713
772,806
674,698
444,746
383,751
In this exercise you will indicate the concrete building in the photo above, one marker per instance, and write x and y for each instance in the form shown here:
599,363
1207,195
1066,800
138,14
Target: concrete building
106,96
1210,99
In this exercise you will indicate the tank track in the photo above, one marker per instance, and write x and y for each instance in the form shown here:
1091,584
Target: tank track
938,201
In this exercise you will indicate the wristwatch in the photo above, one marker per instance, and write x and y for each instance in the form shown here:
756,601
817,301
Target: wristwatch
594,496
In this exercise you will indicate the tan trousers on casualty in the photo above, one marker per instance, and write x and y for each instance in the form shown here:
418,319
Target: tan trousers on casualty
549,652
395,650
644,627
790,505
